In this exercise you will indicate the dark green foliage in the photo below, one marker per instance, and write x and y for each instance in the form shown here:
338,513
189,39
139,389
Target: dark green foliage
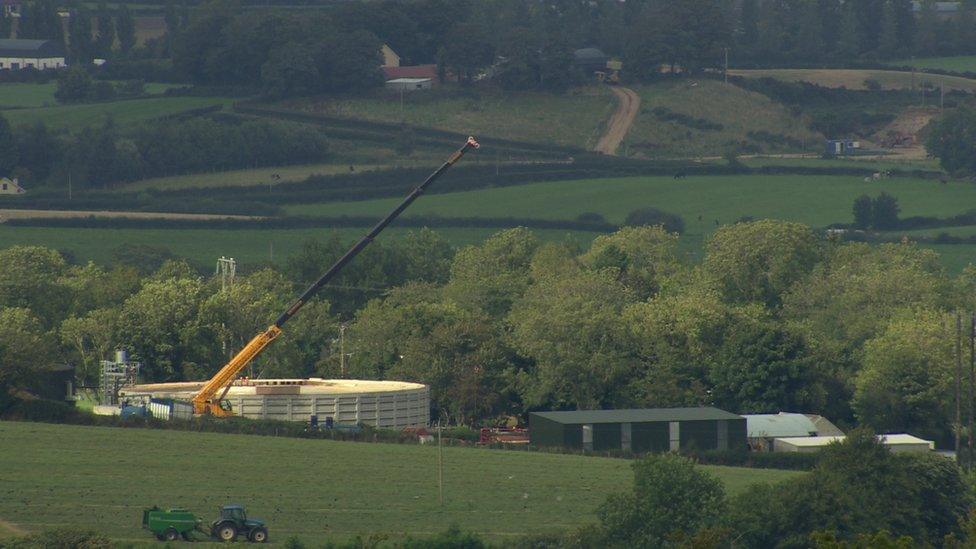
105,38
10,158
653,216
125,28
884,212
667,115
671,498
74,86
953,140
857,488
863,212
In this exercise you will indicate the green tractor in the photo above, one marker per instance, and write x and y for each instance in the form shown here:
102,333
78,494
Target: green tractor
233,522
172,524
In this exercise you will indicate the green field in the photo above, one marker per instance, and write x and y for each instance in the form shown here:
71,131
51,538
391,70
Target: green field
853,79
122,112
962,63
203,246
575,118
42,95
101,478
738,111
814,200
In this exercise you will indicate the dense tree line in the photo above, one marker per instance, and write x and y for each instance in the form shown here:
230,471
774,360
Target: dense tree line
775,318
103,155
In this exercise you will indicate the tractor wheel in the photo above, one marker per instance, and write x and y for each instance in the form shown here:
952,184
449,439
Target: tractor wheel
171,534
259,535
226,532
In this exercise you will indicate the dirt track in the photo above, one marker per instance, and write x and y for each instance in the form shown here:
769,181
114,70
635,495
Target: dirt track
12,528
6,214
627,108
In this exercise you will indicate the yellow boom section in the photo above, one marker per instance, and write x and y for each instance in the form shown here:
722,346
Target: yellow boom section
207,401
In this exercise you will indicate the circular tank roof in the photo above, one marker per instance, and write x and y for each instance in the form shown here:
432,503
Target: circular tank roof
244,387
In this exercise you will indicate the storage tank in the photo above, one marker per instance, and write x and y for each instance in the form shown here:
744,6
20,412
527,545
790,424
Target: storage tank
383,404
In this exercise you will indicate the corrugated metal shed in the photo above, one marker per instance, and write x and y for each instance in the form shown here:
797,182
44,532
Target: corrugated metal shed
640,430
785,424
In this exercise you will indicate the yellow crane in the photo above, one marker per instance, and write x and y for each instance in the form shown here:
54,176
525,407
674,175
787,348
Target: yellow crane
210,397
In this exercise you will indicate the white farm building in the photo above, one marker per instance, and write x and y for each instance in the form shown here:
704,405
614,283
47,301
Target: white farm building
25,54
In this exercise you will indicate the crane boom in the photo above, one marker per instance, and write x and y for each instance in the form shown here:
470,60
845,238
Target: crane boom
207,399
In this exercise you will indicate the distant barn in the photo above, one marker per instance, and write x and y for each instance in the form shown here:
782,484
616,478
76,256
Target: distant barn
640,430
31,54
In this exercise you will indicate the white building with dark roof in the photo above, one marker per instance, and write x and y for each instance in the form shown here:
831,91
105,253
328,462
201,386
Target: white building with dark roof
16,54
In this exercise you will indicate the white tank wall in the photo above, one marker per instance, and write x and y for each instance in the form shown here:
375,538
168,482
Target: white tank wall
388,410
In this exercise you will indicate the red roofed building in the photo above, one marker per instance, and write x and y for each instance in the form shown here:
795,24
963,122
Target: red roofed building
414,71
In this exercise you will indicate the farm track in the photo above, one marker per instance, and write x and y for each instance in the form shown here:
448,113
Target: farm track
6,214
627,108
12,528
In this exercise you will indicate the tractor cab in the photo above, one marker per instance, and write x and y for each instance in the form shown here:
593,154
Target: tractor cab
233,521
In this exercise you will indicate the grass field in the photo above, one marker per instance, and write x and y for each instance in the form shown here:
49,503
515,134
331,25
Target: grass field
101,478
42,95
122,112
962,63
738,111
930,164
576,118
854,78
250,247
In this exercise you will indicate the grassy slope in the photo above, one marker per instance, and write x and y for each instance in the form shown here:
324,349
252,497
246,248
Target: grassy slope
101,478
854,78
75,117
738,110
204,246
962,63
575,118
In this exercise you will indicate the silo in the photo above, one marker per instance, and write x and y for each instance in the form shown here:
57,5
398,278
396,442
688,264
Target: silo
383,404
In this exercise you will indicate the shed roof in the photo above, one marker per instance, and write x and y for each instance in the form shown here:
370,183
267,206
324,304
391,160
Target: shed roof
589,54
894,439
643,415
12,47
408,80
785,424
410,71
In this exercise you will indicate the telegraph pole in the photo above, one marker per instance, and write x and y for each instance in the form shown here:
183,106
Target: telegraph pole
726,65
958,428
972,385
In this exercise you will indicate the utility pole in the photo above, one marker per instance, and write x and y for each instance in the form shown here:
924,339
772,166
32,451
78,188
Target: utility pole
942,97
726,65
972,385
440,466
69,185
342,350
958,426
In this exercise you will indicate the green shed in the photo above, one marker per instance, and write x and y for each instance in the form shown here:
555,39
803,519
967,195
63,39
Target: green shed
641,430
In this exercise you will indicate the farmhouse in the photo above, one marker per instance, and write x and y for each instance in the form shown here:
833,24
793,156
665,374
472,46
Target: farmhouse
24,54
762,429
390,57
641,430
10,186
10,8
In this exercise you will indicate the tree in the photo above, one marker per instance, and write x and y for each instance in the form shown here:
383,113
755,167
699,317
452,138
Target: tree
105,38
29,278
158,324
849,37
890,45
490,277
762,368
905,383
290,70
644,257
760,260
81,47
90,338
749,26
10,158
810,44
74,85
25,347
671,499
569,323
645,48
652,216
38,148
884,212
125,27
466,50
863,212
953,140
